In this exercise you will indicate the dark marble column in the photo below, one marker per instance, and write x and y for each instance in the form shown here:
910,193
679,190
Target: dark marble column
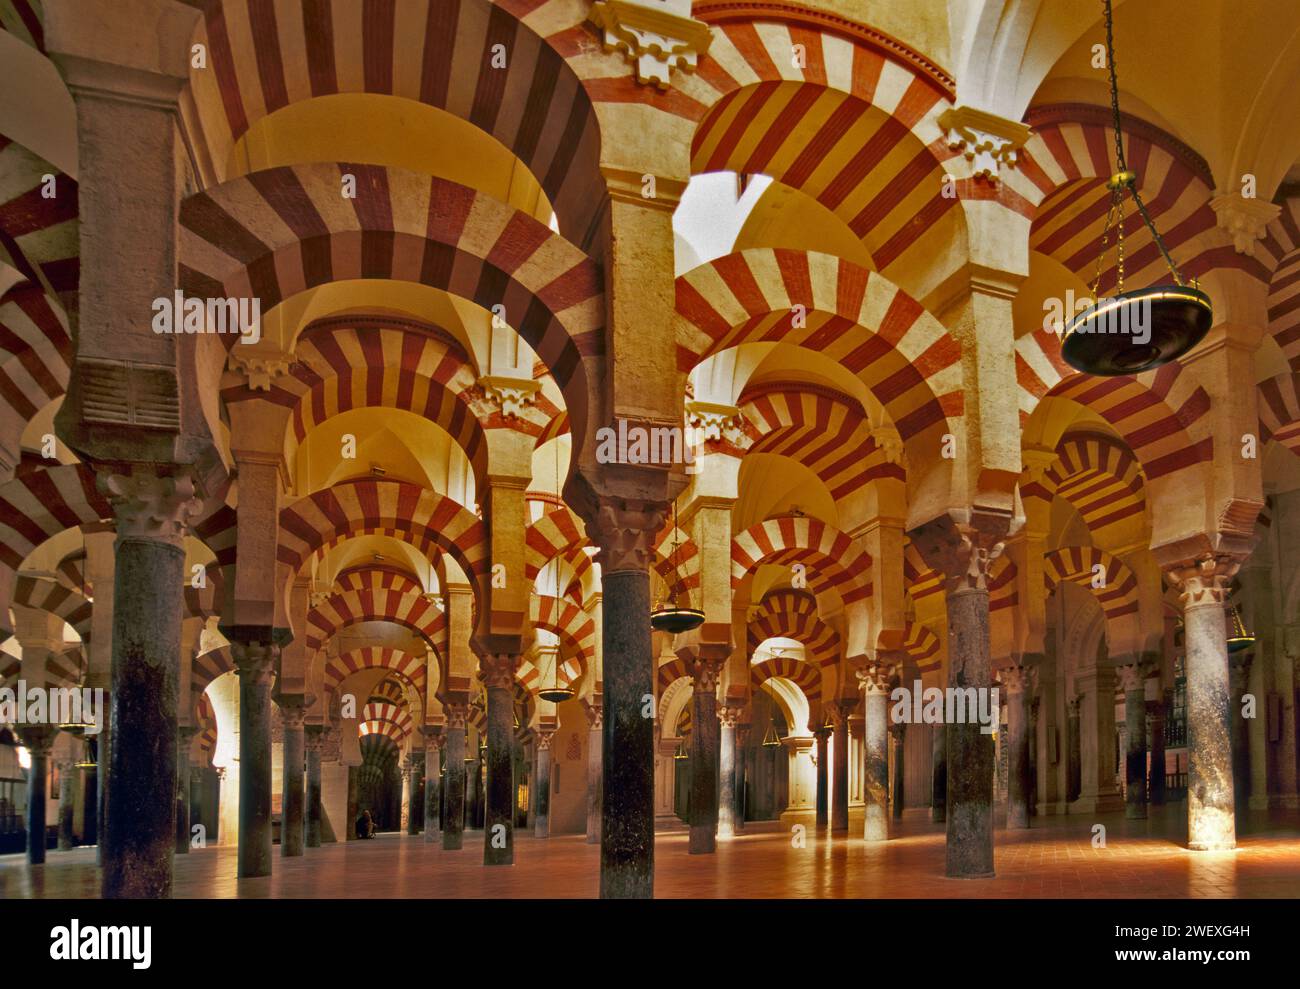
839,714
706,670
354,801
595,738
152,513
1211,818
1156,712
498,818
1016,685
1133,680
625,532
742,767
184,736
542,784
68,776
899,733
728,716
823,816
198,813
38,740
432,784
293,752
1074,749
938,773
1239,678
313,742
875,709
255,666
453,784
411,795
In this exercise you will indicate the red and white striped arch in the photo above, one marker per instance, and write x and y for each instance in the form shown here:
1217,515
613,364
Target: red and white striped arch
805,676
394,508
377,362
822,429
275,233
853,316
919,581
923,647
52,597
35,356
1281,245
1069,158
403,664
270,54
375,599
831,558
677,560
206,667
383,718
1279,410
792,614
39,236
1084,565
206,721
574,626
1099,477
853,124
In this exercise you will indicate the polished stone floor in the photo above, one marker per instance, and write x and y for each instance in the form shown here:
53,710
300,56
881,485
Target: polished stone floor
1055,858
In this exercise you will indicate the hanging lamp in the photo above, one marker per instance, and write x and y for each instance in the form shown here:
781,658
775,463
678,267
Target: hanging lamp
681,752
672,618
1134,331
1238,637
771,739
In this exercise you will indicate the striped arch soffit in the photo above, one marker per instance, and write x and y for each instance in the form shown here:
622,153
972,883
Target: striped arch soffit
1085,566
832,559
792,614
922,647
1279,410
1163,415
853,316
556,533
207,666
366,506
35,356
398,662
1067,161
803,675
269,55
920,582
344,363
383,718
574,627
24,19
390,690
1099,477
824,430
376,595
855,127
206,722
1281,245
677,560
274,233
39,235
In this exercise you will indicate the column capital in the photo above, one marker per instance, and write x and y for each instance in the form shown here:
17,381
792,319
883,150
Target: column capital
874,679
729,715
595,715
151,506
313,737
544,737
625,532
1132,676
988,142
255,661
1204,580
498,669
38,739
1016,679
706,671
456,716
962,547
1072,705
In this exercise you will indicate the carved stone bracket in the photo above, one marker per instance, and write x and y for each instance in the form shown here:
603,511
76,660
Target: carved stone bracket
259,369
715,422
655,37
988,142
509,395
1244,219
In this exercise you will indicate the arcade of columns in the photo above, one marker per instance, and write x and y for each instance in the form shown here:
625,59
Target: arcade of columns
478,236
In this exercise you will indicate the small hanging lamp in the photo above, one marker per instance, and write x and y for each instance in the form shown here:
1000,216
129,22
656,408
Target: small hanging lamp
671,617
1134,331
771,739
681,752
1238,637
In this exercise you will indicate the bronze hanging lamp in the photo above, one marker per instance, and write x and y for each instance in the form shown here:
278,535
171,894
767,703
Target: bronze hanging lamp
1134,331
1239,638
671,617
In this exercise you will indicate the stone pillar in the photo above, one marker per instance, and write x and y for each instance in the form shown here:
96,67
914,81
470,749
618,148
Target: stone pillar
198,815
938,773
594,745
354,801
68,776
963,549
293,749
875,706
706,670
38,740
313,741
1156,714
184,736
499,815
727,719
152,513
1015,682
542,786
1098,790
255,667
1204,583
822,819
1074,749
453,794
899,733
742,761
839,811
625,532
408,797
1239,680
432,784
1133,682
